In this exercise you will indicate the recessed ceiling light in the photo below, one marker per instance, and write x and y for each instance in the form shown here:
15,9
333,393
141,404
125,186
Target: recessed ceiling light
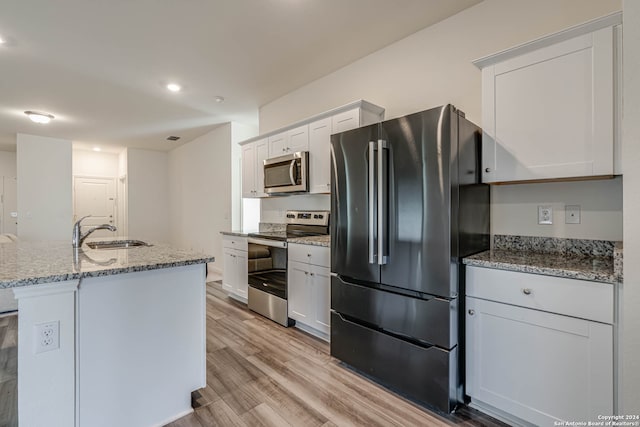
219,99
174,87
97,149
1,40
40,118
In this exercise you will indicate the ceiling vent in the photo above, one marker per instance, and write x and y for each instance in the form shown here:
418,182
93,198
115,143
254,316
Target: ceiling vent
173,138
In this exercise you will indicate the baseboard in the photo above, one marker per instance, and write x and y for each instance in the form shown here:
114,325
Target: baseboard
312,331
175,418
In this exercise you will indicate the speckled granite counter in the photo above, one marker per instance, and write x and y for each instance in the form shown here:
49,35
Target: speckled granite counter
234,233
31,263
312,240
594,260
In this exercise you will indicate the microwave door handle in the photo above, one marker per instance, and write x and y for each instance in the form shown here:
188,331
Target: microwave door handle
292,168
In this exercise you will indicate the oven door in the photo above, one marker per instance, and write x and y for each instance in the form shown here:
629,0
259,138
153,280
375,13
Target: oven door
267,266
287,174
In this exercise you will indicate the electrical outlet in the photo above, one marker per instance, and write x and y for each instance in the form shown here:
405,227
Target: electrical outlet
545,215
47,336
572,214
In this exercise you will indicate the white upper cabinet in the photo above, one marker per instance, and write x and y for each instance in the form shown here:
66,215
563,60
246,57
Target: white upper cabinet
249,170
548,107
290,141
312,135
320,156
345,121
253,156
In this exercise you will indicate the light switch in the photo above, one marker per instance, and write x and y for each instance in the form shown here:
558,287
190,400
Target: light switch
572,214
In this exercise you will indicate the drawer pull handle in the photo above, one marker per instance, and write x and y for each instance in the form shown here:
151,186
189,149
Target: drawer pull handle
308,254
526,291
472,312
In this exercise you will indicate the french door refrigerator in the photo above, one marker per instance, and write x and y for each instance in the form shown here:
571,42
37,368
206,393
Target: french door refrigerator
406,204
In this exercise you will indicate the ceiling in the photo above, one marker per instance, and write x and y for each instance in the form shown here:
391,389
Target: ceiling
101,67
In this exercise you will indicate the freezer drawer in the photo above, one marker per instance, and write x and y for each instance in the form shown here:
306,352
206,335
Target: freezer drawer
432,321
424,374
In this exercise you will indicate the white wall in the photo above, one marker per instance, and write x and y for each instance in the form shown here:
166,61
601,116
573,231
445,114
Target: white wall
200,192
201,189
273,208
434,67
515,209
630,302
44,188
95,164
148,198
7,163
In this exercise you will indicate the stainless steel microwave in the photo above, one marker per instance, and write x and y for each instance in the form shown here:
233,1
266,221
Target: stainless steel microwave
287,174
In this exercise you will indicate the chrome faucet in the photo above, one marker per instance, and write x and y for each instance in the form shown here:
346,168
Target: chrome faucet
79,236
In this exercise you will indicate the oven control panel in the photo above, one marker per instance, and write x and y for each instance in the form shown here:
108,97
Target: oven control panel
308,217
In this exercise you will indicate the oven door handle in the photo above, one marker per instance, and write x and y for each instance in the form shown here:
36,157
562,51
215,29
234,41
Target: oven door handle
292,167
267,242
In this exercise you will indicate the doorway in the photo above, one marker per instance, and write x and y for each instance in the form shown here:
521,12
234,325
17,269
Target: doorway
96,197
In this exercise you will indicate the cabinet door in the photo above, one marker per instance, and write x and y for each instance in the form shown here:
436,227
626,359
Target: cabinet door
538,366
549,113
321,297
229,274
249,170
298,139
262,153
299,292
319,156
278,145
241,286
345,121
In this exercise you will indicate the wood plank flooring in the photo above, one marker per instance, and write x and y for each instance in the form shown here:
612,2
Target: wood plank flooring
262,374
9,370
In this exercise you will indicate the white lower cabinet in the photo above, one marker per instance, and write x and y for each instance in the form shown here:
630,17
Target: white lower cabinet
536,366
234,279
309,286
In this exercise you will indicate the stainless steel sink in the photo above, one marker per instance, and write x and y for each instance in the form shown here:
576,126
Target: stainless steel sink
117,244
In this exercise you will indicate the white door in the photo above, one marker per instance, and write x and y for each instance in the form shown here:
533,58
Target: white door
298,139
299,291
262,153
9,220
95,197
229,274
249,170
320,156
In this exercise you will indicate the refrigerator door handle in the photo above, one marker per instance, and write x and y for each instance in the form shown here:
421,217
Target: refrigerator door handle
382,199
372,203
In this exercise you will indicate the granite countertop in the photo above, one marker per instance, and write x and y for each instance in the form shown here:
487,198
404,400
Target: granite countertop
312,240
584,259
31,263
234,233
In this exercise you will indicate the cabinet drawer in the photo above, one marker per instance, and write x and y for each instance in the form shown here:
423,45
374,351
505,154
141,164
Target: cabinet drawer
316,255
577,298
234,242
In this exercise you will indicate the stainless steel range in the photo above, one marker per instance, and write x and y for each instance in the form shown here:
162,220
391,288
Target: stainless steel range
267,263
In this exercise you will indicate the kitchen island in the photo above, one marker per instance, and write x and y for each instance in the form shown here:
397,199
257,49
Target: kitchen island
106,337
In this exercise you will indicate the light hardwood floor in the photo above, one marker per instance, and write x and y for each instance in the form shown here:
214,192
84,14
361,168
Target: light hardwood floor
9,370
262,374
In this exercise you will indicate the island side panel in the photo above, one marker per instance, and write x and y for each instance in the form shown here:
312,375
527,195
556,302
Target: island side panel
141,346
46,379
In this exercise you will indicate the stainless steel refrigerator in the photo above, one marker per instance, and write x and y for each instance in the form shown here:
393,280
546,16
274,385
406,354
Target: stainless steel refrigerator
406,204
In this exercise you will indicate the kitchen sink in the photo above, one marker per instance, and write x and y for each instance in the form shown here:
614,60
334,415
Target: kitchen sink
117,244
